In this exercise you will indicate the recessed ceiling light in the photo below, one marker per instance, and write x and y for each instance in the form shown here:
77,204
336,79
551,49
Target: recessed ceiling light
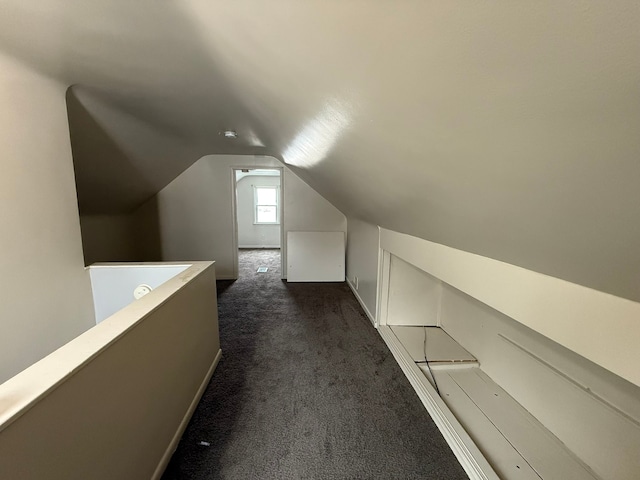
230,134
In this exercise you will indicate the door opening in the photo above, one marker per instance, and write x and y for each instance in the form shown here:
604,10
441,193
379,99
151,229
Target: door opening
258,218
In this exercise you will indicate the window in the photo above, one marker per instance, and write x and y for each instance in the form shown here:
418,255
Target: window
266,204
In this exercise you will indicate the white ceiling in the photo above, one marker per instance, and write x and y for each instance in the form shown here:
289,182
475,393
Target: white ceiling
508,129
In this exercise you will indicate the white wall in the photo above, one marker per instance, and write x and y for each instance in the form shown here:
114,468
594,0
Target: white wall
250,234
362,261
113,285
308,211
192,219
596,325
46,295
414,296
107,238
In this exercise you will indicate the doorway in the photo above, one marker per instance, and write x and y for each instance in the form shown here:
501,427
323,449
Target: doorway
258,221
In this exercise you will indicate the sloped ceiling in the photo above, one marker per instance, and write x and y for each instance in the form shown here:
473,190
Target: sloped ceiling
508,129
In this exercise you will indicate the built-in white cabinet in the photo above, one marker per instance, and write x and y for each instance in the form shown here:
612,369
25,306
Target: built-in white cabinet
486,352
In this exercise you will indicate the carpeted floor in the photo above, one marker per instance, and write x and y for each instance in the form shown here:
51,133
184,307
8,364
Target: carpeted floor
306,389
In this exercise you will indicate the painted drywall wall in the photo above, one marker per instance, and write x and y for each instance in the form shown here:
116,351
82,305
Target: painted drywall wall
308,211
362,262
192,218
108,238
46,294
113,402
250,234
113,285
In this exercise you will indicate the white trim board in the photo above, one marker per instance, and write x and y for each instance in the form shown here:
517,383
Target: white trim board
226,277
473,462
601,327
166,457
517,444
362,304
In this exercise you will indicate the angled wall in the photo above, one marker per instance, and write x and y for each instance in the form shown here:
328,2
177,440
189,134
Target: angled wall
46,295
108,238
192,217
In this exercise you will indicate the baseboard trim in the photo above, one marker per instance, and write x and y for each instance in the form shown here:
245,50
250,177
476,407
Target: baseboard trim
164,461
473,462
362,304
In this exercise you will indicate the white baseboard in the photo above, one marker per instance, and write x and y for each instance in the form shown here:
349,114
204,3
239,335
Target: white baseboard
362,304
164,461
474,463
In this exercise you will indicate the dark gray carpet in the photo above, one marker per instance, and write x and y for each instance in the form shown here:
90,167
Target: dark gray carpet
306,389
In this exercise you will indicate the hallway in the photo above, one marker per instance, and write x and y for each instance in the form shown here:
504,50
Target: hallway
306,388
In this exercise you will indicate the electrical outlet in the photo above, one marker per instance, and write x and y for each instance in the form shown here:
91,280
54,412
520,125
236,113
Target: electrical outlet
355,282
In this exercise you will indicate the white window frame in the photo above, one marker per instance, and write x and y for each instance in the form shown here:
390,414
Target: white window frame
256,205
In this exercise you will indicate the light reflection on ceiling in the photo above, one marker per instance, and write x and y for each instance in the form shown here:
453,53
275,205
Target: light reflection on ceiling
318,137
253,139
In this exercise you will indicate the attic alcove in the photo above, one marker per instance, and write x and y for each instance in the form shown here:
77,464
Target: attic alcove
193,218
508,390
508,130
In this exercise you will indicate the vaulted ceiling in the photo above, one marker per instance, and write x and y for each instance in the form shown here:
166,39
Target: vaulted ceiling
508,129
